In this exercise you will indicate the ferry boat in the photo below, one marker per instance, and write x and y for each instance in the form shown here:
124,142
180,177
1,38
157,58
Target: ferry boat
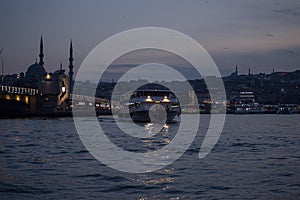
153,105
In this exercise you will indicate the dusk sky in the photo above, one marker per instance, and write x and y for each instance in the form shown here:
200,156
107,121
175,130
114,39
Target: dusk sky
263,35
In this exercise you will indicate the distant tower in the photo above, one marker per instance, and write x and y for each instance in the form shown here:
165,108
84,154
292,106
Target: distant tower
71,67
41,52
236,70
249,71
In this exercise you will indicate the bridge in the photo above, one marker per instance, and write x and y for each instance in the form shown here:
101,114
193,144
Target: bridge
17,93
17,100
102,106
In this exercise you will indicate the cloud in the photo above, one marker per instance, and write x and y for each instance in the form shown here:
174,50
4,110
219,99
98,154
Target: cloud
289,11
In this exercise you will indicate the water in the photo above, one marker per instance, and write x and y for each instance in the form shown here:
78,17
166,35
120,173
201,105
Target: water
256,157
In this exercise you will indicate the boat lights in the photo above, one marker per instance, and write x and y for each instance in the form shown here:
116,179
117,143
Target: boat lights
148,99
166,100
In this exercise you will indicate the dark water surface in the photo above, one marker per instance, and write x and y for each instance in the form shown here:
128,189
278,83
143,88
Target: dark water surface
256,157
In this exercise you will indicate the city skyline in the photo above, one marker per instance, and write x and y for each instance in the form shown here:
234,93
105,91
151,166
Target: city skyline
260,35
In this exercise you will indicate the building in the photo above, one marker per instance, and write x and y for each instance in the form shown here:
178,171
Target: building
54,88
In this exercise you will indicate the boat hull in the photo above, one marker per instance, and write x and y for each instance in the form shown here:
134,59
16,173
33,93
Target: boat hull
144,117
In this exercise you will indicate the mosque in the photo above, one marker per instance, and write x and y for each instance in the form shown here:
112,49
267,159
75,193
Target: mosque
54,89
40,93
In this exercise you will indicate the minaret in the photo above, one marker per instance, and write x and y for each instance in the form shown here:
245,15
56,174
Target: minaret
249,72
236,70
41,52
71,67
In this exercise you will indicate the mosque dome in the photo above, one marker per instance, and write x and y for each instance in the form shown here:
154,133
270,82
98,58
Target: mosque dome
59,71
36,70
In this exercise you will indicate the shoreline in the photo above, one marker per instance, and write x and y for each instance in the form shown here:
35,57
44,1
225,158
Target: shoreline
64,115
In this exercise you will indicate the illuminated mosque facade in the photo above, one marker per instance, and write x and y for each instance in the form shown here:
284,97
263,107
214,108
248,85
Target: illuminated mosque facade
54,88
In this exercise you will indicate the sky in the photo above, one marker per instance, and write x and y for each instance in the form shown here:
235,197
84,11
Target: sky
262,35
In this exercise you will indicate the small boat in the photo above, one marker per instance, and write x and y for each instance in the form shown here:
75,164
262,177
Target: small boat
153,105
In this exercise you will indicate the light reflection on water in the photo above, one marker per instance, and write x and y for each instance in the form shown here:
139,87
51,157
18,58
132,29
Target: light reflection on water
257,156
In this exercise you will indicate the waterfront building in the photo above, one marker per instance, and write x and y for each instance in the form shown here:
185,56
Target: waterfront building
54,88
